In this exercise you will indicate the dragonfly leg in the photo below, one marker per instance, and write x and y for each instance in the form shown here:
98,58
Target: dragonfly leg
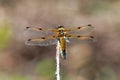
67,39
58,39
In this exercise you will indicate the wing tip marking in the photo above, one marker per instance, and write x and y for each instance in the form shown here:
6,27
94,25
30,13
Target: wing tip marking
29,39
89,25
27,27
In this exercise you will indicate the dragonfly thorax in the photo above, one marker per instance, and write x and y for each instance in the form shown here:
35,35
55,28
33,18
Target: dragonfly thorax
61,32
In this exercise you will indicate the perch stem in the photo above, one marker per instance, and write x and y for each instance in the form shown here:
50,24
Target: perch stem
58,61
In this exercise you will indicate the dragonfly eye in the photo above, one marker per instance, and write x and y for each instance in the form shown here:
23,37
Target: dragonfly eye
60,26
61,31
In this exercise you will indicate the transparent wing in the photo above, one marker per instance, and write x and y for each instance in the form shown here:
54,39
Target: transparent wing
38,31
42,41
80,30
79,38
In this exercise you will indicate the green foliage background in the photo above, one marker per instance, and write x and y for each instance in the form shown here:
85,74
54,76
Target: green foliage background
5,34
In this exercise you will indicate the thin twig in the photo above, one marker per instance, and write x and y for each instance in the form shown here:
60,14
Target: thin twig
58,61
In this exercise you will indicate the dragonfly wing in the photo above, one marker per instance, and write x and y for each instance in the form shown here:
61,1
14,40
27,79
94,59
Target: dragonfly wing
81,29
37,32
43,41
81,39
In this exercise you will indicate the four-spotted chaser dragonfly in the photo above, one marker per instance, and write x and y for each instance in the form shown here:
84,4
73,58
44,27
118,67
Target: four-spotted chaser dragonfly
61,34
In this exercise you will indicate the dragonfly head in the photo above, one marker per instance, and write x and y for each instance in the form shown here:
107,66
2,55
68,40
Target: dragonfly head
59,26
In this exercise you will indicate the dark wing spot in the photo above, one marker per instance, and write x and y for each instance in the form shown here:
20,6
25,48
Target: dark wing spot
91,36
43,38
89,25
78,27
27,27
78,36
69,36
40,28
29,39
53,36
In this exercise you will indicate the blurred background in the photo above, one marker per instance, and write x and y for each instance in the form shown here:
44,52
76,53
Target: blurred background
95,61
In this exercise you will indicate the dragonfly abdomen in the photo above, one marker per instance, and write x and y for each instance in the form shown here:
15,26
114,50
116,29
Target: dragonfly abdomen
64,54
62,41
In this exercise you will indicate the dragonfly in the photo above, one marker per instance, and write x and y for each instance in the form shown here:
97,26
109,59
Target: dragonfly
60,34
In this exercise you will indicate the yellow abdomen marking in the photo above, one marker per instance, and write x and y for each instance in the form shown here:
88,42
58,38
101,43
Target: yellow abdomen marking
63,43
